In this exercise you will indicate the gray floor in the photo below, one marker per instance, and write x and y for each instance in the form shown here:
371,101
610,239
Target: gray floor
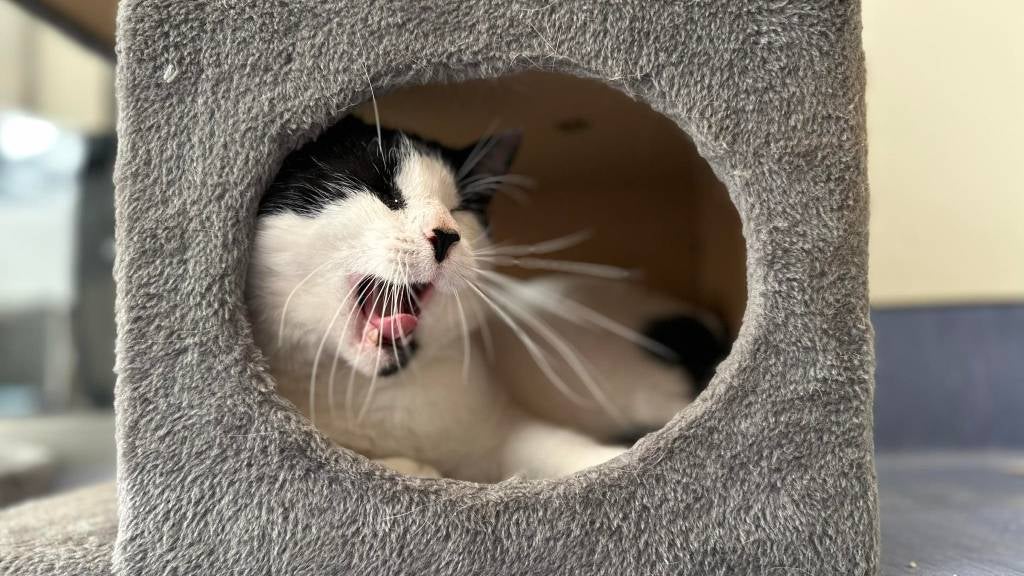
949,514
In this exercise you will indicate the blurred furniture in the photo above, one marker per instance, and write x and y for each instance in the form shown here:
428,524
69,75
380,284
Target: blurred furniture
91,22
92,318
26,470
78,448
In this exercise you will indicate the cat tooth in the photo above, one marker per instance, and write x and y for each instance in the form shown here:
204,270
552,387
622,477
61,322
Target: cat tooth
372,336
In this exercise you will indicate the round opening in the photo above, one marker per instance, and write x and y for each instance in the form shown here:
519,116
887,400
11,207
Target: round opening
613,279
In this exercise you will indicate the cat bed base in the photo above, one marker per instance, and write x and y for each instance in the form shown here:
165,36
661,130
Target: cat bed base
770,471
69,534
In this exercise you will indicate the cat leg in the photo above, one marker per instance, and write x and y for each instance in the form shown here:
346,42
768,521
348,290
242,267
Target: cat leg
535,449
408,466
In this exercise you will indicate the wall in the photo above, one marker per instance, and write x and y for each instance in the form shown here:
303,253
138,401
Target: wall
44,72
946,150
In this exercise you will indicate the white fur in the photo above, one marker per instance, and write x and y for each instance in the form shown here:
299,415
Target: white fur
444,413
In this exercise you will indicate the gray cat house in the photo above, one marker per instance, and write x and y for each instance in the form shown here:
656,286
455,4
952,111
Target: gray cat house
738,129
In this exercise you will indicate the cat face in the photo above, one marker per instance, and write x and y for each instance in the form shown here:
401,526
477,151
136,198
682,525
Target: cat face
365,246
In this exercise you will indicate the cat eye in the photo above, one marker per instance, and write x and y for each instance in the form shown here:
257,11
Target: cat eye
391,201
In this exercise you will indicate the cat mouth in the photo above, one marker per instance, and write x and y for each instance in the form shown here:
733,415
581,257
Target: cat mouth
390,311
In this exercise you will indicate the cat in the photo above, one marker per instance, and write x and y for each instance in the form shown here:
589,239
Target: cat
373,294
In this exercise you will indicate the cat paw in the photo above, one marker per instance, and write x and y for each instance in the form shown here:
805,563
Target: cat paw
588,458
409,467
600,455
653,410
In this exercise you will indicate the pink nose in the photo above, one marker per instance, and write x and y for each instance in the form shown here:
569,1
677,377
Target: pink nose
442,241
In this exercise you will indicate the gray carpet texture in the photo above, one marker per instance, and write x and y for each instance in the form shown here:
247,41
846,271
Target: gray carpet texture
769,472
72,533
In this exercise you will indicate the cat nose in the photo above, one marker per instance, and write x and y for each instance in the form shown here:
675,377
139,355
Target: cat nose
442,240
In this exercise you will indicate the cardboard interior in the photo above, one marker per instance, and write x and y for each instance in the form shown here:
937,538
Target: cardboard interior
600,161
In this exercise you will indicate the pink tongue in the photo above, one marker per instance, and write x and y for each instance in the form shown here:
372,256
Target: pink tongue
395,327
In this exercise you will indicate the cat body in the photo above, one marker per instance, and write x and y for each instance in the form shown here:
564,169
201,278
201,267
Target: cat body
373,295
659,354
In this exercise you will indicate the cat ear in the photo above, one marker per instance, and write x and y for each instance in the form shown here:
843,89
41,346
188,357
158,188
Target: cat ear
490,156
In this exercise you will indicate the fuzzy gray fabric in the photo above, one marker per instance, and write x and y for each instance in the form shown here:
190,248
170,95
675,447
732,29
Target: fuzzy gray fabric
770,472
71,534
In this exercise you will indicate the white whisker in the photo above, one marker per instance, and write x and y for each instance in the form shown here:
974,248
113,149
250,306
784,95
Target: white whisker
395,309
319,351
568,266
376,366
337,352
485,330
486,181
409,296
376,115
582,315
545,247
568,353
349,389
465,339
288,301
535,352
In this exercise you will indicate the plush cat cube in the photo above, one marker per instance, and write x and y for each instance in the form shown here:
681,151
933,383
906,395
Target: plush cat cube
769,472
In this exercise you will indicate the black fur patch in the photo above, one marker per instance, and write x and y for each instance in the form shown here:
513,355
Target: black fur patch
697,349
344,158
405,354
347,157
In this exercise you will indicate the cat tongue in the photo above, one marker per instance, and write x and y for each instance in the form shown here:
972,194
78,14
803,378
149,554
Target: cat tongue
395,327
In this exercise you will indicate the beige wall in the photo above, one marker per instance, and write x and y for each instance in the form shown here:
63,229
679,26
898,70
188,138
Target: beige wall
43,72
946,149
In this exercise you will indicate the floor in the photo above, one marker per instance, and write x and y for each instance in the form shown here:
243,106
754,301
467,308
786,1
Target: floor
947,514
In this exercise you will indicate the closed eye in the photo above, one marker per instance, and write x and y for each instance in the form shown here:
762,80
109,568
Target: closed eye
392,202
392,199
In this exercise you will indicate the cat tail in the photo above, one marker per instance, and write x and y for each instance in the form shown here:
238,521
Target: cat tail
698,343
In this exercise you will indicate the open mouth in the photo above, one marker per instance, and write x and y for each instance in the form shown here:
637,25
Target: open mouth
391,311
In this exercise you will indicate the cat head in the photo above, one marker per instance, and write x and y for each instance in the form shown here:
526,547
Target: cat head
366,245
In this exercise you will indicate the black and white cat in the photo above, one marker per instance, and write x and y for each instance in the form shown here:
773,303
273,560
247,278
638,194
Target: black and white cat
373,294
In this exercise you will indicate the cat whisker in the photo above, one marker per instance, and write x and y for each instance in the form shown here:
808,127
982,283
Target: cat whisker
485,330
514,185
376,372
395,307
465,339
409,297
531,346
376,115
319,351
568,266
337,353
518,180
516,193
288,301
568,352
543,247
349,389
582,315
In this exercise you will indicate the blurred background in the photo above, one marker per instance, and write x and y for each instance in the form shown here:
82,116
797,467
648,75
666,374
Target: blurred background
946,141
57,116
